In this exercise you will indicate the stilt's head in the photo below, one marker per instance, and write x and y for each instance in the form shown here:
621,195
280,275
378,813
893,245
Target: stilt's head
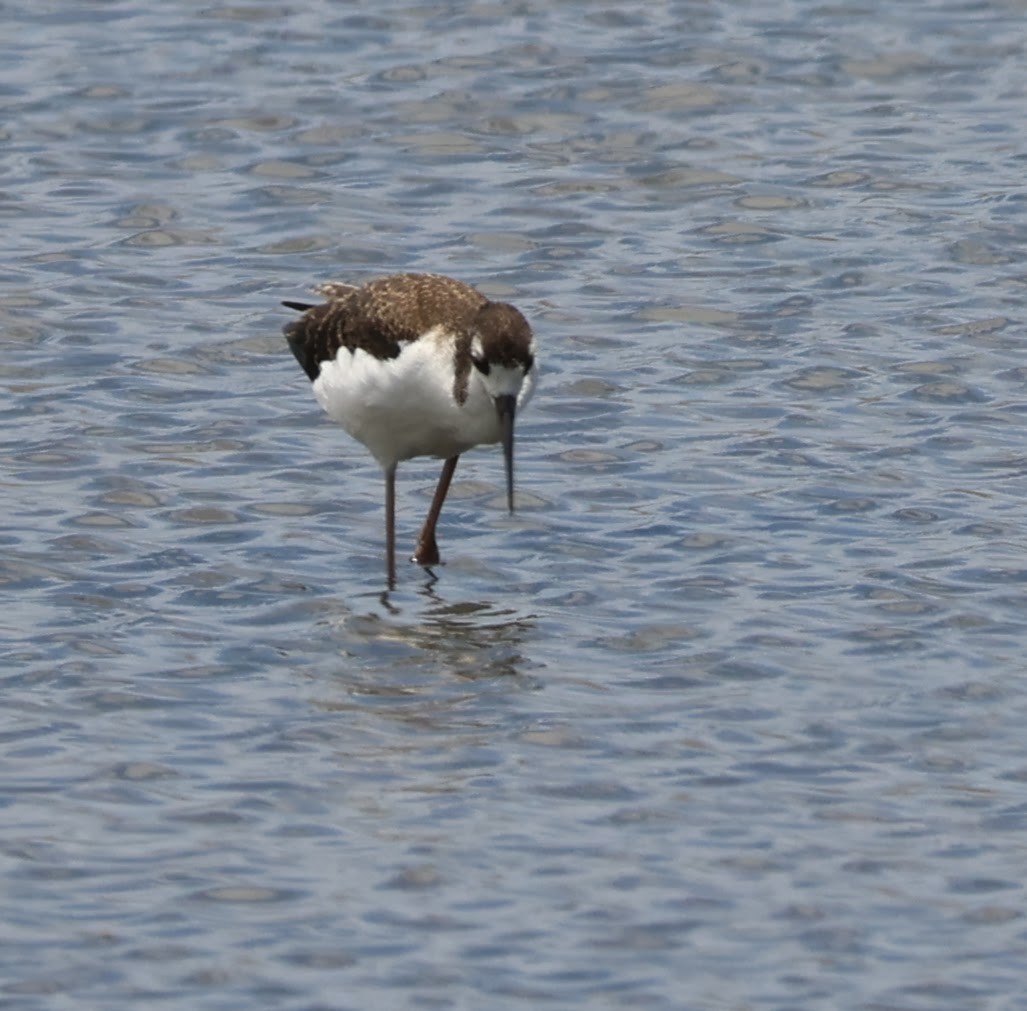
503,353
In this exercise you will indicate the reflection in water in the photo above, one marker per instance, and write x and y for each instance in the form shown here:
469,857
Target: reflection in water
398,650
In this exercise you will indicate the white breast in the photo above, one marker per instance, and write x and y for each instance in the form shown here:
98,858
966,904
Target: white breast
404,407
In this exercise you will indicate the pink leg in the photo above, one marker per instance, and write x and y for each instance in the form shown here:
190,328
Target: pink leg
390,525
427,552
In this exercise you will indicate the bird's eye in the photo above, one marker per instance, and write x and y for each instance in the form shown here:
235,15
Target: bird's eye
481,364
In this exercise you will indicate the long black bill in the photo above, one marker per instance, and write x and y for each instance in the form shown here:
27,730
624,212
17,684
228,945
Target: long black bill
506,407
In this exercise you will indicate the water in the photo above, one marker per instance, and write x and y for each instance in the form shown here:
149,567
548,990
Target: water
728,716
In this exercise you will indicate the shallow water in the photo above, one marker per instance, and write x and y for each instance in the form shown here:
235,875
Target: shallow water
728,715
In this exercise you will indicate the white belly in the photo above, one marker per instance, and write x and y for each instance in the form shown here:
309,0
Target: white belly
404,407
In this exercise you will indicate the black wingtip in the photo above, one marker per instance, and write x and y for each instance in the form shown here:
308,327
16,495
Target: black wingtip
298,306
296,335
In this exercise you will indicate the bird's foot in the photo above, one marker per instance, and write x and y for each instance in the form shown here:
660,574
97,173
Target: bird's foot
427,552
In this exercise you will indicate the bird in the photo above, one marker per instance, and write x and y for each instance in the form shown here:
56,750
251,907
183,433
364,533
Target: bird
417,365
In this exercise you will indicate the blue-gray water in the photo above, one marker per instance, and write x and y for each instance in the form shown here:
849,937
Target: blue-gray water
729,716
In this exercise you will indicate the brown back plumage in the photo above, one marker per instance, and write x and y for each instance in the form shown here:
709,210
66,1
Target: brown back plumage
379,317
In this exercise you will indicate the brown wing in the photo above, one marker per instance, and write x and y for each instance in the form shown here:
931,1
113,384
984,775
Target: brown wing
379,317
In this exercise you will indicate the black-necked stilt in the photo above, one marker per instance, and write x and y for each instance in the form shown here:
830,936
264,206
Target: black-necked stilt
417,365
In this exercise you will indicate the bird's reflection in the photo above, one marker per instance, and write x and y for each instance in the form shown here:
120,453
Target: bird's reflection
421,644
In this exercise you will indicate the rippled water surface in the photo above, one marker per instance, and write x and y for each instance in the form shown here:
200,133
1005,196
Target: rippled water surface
729,715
